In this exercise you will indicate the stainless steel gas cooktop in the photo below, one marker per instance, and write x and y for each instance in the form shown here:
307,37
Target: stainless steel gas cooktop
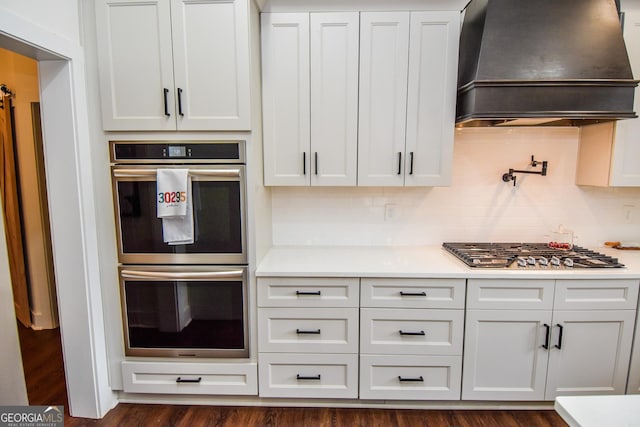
529,256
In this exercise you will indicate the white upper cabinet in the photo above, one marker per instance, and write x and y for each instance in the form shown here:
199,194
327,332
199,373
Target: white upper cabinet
285,98
407,112
310,98
384,60
431,97
362,99
174,64
334,98
609,152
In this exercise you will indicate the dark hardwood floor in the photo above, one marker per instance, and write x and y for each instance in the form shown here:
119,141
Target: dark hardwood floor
42,359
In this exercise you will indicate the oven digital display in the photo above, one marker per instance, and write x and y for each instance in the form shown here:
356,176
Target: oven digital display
177,151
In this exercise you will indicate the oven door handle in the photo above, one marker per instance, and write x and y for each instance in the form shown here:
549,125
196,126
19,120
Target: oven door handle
165,275
139,173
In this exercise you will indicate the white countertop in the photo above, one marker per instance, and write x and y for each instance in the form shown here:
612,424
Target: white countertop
417,262
598,411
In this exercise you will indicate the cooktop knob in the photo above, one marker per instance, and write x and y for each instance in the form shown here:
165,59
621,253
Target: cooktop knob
521,262
568,262
543,261
531,260
555,261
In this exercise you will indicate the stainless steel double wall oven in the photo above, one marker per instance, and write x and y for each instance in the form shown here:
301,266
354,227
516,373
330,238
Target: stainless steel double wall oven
185,300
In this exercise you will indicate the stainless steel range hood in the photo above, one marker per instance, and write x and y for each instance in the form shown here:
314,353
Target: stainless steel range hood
543,62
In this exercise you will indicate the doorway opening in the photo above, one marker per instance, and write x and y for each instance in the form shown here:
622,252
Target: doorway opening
26,222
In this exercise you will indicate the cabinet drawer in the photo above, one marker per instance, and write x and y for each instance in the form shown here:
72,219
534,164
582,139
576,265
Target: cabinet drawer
190,378
308,375
410,331
307,292
308,330
596,294
410,377
413,293
507,294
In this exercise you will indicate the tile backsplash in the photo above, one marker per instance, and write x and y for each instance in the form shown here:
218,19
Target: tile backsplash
478,206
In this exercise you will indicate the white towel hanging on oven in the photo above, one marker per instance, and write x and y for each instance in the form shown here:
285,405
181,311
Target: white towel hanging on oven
171,188
174,192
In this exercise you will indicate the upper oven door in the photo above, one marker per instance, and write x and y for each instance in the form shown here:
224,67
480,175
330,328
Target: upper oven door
218,214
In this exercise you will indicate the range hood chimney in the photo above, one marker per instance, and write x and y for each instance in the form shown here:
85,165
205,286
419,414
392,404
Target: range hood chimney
543,62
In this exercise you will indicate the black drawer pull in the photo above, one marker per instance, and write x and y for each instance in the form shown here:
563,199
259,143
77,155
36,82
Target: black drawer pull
561,329
304,163
421,333
308,332
308,293
413,294
546,337
180,102
165,93
188,380
411,163
308,378
420,379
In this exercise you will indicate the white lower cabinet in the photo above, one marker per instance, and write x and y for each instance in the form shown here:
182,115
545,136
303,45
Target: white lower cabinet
309,375
190,378
577,342
410,377
308,337
411,333
633,383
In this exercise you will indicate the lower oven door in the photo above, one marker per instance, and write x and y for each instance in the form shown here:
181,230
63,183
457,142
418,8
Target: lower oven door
218,216
184,311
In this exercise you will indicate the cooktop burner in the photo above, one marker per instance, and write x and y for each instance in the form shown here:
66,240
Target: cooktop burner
528,255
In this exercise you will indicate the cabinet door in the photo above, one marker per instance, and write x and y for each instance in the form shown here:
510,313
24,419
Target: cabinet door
431,97
504,357
211,64
285,98
633,384
334,98
592,356
625,168
384,58
135,64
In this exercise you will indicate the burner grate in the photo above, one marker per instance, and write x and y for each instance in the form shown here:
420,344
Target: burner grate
528,255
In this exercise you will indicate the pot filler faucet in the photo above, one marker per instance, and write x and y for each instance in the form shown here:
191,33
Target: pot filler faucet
509,176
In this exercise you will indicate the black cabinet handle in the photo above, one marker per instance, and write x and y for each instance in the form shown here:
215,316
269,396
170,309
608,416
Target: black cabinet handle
308,293
308,332
188,380
304,163
315,161
411,163
308,378
419,333
413,294
420,379
180,102
561,329
166,102
546,337
399,162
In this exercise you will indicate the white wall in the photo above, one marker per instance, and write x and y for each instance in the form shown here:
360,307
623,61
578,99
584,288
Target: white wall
58,16
42,26
478,206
